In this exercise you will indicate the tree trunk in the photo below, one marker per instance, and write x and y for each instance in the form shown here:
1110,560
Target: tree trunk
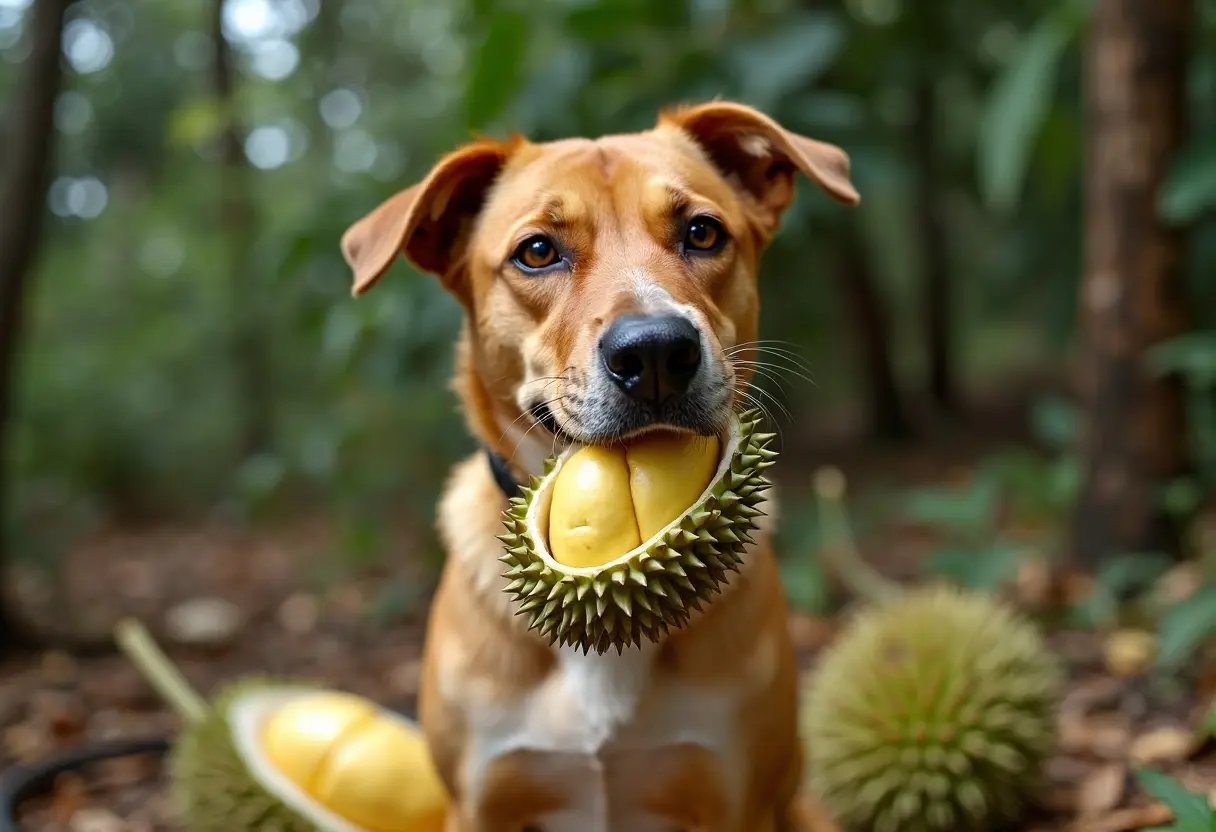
23,195
1132,289
937,298
869,322
248,349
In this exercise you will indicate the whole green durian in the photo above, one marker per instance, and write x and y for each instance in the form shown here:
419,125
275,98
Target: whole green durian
932,713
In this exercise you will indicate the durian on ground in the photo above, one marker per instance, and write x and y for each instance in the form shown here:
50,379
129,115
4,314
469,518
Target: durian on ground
932,713
934,709
278,756
655,586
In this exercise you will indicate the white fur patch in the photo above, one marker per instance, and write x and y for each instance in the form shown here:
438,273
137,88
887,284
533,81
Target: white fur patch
652,298
603,718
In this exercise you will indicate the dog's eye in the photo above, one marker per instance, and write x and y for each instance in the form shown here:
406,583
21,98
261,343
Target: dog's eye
704,234
535,253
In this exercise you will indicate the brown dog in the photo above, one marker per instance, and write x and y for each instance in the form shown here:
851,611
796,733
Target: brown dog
605,282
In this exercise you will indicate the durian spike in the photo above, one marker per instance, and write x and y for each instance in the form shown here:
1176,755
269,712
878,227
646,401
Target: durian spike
839,549
134,640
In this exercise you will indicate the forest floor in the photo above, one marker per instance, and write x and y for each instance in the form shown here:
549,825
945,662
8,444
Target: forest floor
231,601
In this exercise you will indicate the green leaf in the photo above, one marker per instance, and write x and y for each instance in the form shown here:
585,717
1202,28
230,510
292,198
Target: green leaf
1190,188
797,52
1018,105
975,568
805,585
1119,579
970,507
1192,813
1185,626
1192,356
497,67
1055,422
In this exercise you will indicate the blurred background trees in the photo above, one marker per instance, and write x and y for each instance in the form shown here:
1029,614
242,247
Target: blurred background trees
189,348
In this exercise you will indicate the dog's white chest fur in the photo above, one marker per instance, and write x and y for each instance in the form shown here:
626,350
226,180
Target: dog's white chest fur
595,726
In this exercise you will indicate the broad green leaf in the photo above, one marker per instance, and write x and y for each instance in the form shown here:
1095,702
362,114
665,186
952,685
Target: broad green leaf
975,568
773,67
497,67
969,507
1018,105
1185,627
1054,421
1190,188
1192,355
805,584
1192,813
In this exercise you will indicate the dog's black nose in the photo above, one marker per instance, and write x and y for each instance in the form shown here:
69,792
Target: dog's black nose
651,357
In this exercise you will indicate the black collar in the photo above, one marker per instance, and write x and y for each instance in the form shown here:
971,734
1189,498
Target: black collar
501,469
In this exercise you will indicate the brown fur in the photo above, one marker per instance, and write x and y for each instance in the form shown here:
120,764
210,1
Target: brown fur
616,202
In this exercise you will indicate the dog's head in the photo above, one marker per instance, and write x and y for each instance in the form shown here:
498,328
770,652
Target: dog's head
605,281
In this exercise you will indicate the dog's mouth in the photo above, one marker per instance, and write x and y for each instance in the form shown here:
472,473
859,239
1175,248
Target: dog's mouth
543,415
615,424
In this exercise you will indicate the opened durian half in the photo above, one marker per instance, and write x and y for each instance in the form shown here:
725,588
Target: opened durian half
283,756
616,544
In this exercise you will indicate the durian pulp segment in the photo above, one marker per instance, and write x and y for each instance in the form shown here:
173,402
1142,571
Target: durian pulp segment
376,777
666,475
591,518
607,501
299,736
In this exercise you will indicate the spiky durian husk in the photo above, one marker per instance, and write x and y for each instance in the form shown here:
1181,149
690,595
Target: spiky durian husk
213,788
933,713
660,584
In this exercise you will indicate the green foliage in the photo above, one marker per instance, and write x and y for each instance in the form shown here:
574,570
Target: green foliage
1019,105
1192,357
131,402
1185,627
498,63
1190,189
1119,580
977,521
799,539
1192,812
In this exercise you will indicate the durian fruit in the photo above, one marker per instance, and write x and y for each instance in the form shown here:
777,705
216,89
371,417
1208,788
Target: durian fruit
613,545
273,755
933,713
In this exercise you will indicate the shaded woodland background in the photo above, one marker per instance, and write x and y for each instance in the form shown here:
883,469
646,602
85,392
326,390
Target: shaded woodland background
1012,340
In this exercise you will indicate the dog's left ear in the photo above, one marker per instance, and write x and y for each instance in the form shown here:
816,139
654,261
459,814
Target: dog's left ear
761,156
429,222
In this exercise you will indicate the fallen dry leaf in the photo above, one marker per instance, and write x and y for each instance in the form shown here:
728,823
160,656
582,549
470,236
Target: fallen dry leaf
204,622
1101,790
1104,735
68,796
1130,652
96,820
1126,820
1033,582
1162,745
299,614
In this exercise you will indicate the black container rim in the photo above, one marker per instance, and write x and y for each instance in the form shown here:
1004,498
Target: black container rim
23,782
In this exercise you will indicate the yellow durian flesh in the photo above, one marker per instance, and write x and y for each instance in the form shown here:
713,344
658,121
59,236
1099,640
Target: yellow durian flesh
666,474
374,770
609,500
301,734
591,513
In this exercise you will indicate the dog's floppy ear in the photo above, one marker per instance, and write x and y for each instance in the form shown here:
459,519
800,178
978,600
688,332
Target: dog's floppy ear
761,156
427,223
